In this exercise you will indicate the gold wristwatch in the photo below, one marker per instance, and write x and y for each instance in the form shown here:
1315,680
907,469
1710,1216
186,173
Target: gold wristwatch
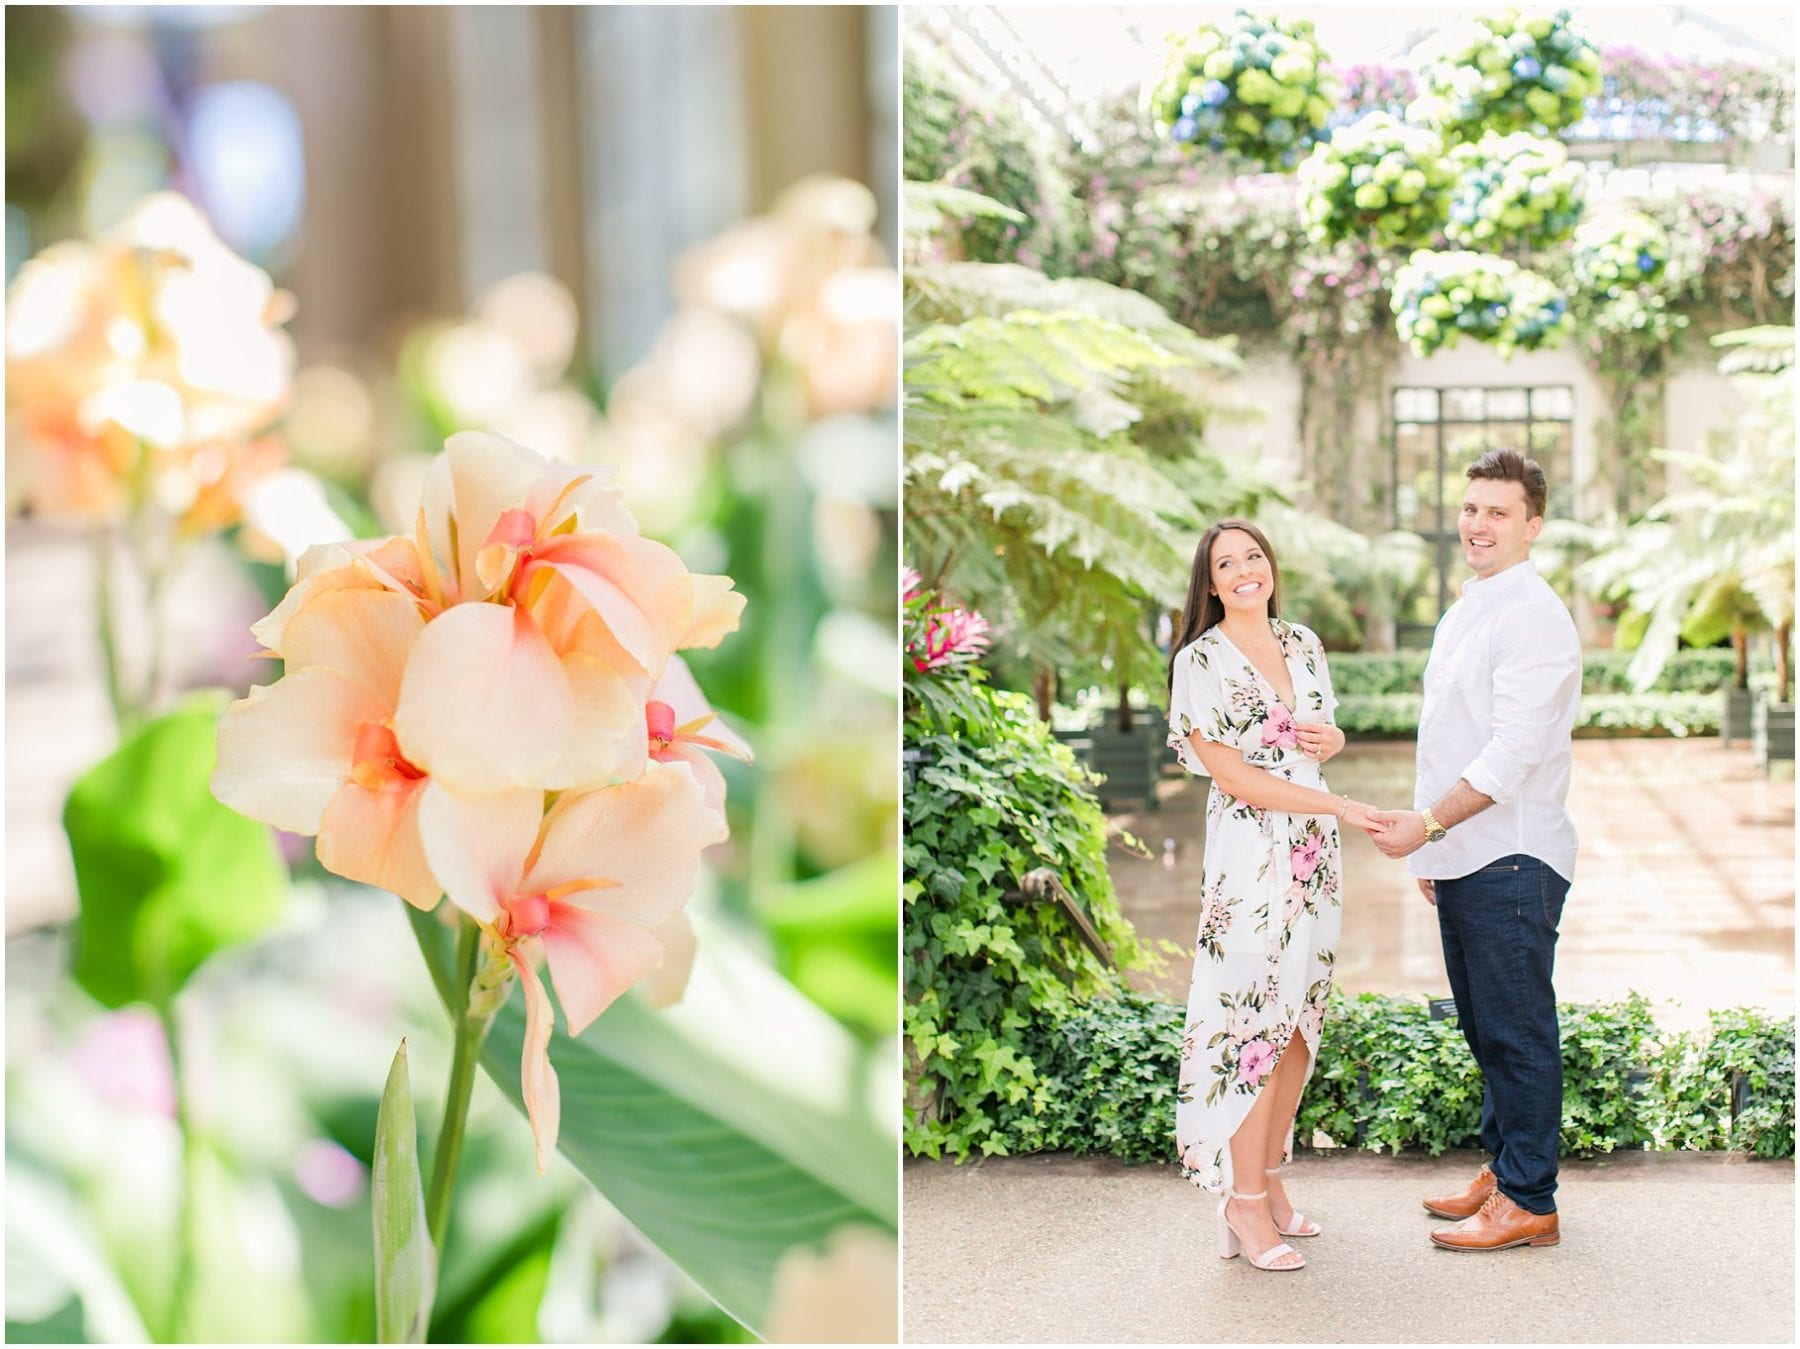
1434,832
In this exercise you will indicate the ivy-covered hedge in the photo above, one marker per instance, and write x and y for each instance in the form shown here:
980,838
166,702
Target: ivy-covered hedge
994,797
1390,1078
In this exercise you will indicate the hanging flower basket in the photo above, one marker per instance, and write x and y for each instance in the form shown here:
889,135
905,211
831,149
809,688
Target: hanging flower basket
1377,179
1255,87
1441,297
1508,73
1620,253
1513,188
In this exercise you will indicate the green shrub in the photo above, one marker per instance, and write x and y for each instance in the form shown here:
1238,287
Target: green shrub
995,797
1359,674
1676,714
1391,1078
1694,1079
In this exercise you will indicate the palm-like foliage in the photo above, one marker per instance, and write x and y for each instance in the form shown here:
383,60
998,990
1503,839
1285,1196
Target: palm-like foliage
1716,558
1037,488
1348,587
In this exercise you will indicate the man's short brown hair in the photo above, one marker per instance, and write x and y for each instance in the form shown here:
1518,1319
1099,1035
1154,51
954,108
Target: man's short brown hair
1511,466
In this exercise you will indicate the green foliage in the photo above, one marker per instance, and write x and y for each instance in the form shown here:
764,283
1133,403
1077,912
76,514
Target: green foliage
1676,714
951,138
1390,1078
690,1122
1716,558
1359,674
1111,1070
1695,1081
996,797
167,876
1036,487
405,1263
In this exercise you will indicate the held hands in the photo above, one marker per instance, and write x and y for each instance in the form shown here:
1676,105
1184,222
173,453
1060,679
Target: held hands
1319,740
1396,833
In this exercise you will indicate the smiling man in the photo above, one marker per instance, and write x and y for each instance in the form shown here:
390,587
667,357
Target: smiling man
1492,846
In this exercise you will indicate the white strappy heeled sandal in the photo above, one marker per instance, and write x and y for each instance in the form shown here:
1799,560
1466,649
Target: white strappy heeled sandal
1299,1225
1231,1244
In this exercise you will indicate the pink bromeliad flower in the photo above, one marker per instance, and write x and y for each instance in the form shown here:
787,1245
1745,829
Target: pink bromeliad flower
951,636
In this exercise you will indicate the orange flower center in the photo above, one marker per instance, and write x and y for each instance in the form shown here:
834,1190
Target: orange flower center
377,762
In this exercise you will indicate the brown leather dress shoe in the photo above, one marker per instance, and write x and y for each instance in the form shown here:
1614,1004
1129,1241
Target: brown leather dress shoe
1497,1224
1463,1205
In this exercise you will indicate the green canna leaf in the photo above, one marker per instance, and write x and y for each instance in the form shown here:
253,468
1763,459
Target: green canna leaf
727,1130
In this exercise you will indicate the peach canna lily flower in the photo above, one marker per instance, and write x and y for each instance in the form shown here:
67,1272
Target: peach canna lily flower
577,617
682,725
586,883
315,752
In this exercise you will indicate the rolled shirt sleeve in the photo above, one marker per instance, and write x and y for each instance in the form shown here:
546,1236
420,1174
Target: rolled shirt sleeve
1537,684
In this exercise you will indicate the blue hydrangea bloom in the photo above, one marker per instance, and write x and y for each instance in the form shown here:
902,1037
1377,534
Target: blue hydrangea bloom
1213,93
1184,130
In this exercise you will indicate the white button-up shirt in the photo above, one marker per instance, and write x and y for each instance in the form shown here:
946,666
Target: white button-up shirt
1501,693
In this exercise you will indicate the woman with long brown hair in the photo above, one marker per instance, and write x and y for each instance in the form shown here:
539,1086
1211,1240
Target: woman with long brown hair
1250,706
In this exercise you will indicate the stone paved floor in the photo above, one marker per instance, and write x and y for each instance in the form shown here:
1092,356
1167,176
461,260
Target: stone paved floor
1657,1248
1685,887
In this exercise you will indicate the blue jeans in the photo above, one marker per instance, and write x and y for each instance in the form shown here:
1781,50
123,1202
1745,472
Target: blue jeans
1499,931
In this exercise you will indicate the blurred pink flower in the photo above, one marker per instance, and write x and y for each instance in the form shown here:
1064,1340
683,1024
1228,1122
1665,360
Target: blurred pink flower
124,1056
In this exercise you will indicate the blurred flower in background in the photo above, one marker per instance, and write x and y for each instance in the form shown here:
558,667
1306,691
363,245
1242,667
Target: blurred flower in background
145,364
260,268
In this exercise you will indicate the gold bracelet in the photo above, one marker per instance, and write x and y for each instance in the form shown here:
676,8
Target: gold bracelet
1344,809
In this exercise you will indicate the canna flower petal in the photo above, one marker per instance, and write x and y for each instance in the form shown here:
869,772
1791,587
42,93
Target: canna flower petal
664,986
593,958
286,748
386,564
565,490
638,587
717,610
479,477
484,704
607,743
373,837
644,836
367,634
477,846
705,771
537,1078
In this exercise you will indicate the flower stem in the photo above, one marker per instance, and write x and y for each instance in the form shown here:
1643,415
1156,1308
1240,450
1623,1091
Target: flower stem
471,1029
185,1213
109,642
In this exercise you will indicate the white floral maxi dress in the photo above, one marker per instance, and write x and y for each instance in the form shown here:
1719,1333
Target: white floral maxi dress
1270,893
